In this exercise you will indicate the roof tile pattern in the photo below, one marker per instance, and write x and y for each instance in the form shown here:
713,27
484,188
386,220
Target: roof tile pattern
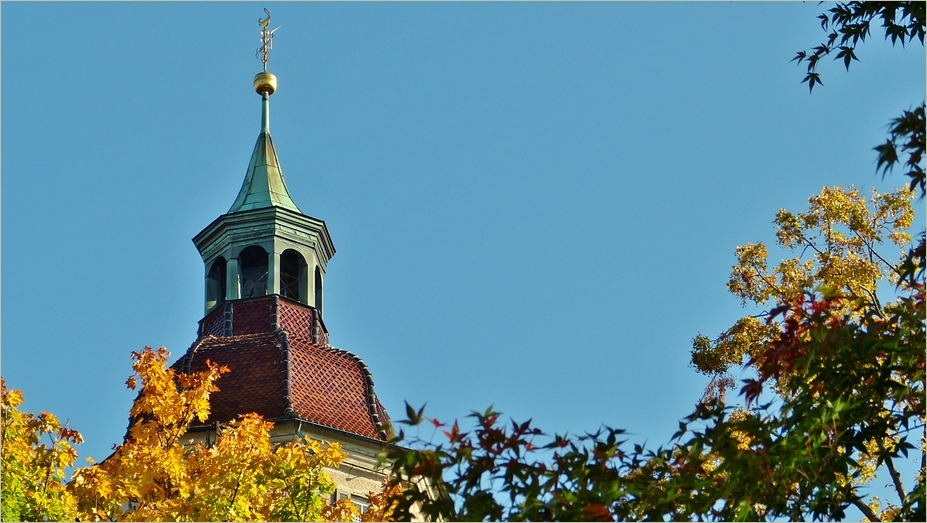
252,316
214,323
300,321
283,373
328,387
254,382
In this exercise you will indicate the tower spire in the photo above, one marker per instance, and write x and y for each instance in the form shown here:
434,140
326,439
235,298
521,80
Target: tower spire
264,185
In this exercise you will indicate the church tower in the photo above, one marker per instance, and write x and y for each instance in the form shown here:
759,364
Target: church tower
265,263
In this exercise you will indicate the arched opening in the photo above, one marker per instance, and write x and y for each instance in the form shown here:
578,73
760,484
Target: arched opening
292,271
215,284
252,263
318,288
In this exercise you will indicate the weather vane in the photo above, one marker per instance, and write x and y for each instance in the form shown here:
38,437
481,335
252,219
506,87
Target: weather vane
267,39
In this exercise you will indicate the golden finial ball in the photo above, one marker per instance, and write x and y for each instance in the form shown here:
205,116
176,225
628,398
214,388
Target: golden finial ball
265,82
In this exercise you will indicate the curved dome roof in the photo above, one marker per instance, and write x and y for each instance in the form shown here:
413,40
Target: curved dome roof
282,368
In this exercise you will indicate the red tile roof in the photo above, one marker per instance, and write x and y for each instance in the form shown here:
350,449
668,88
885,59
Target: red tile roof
282,367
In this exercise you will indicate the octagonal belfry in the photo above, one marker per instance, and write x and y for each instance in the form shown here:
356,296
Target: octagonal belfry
264,244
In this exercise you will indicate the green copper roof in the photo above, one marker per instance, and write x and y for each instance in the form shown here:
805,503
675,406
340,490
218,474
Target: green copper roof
264,185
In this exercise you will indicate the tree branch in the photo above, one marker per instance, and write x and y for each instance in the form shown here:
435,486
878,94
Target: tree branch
767,279
809,243
864,508
875,302
896,478
289,492
234,495
873,252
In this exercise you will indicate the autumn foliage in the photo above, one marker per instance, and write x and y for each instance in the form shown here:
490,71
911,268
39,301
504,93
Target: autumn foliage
843,243
849,379
36,452
157,474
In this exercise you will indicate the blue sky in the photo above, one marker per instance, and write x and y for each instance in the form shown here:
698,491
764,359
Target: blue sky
534,205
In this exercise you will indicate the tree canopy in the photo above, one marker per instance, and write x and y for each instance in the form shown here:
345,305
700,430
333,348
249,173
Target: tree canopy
847,374
32,485
158,473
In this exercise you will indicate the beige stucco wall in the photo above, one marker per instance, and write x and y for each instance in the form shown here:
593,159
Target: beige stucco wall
358,475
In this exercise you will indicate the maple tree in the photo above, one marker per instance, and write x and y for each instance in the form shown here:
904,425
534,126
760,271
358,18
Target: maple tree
36,451
156,476
849,377
383,504
837,242
158,473
848,259
849,24
835,289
